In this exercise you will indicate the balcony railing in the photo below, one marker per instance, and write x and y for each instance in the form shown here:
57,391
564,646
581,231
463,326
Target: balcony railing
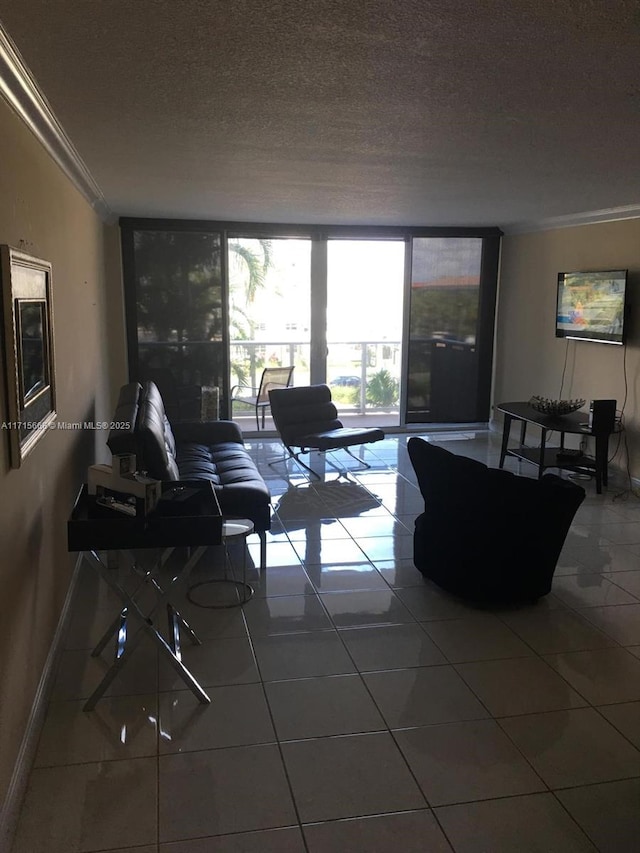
364,376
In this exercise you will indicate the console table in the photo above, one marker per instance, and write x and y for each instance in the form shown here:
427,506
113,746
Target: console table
575,423
187,515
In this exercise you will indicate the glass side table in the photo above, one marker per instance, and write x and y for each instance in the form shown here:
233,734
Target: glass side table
207,593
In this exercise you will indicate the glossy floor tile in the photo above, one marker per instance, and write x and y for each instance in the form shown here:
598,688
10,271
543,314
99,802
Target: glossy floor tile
368,776
575,747
518,686
411,832
458,762
535,823
559,630
237,716
368,607
321,707
602,676
219,791
92,806
626,718
302,655
609,813
119,727
288,840
423,696
478,637
385,647
356,707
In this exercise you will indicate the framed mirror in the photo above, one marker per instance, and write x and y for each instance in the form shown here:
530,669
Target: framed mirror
28,328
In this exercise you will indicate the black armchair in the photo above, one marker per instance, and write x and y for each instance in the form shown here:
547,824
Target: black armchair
486,534
306,418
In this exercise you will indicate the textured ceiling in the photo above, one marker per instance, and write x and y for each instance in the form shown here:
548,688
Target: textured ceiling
484,112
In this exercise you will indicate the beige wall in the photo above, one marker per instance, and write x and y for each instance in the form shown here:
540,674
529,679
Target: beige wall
530,359
42,213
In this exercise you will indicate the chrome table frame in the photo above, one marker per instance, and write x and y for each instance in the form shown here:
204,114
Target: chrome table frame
128,640
195,524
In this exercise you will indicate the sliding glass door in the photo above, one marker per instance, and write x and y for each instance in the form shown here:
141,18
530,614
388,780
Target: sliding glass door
365,284
269,313
398,321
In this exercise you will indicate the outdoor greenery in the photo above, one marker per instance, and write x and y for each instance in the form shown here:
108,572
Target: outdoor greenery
451,311
382,389
179,304
178,285
347,396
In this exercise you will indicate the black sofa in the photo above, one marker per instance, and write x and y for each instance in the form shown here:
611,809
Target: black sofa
486,534
191,450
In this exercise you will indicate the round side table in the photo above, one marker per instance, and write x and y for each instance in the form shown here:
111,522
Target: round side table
234,530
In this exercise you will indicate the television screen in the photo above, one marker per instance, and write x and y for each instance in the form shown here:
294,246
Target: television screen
591,306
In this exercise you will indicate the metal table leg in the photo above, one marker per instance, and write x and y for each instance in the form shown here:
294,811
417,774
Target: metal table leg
128,641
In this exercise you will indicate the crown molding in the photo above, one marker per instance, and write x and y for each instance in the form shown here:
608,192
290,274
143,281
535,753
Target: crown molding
21,92
593,217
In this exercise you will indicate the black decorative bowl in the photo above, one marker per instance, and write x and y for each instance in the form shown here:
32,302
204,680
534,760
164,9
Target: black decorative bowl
555,407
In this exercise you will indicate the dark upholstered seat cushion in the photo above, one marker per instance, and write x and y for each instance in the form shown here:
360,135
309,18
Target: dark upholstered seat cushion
240,488
488,534
340,437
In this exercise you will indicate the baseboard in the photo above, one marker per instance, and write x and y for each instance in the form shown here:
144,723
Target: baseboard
12,805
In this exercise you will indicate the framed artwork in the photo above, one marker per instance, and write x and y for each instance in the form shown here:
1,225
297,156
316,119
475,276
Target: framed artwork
28,346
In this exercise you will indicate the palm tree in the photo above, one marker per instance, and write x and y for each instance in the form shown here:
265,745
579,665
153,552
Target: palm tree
382,389
249,262
255,263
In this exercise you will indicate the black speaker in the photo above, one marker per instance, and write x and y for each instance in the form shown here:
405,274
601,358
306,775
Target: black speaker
602,415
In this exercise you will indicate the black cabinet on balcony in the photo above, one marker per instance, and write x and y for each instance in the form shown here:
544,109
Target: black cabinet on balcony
454,382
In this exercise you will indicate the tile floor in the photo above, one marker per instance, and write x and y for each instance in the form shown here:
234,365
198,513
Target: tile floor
355,707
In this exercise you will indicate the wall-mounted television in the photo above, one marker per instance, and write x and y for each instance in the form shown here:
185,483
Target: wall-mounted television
592,306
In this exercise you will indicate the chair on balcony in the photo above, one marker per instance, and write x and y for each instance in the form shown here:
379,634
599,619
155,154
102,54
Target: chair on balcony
272,377
307,418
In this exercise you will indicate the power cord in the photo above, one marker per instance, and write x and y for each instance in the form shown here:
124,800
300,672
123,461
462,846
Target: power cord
630,491
564,368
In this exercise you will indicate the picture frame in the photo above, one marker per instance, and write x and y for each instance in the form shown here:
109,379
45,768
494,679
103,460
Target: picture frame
28,350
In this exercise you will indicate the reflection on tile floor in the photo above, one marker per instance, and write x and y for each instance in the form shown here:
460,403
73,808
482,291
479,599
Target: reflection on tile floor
355,706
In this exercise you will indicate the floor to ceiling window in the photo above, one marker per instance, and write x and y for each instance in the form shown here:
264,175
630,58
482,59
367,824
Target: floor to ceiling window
365,288
399,321
269,311
443,329
175,312
450,328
